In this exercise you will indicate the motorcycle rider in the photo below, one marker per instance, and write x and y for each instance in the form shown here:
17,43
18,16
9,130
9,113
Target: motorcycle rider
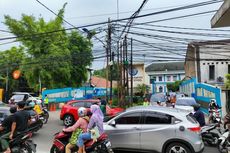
199,115
6,127
21,121
95,127
79,127
37,108
212,107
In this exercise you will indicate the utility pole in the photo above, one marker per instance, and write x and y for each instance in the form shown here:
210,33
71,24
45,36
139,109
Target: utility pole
111,59
131,69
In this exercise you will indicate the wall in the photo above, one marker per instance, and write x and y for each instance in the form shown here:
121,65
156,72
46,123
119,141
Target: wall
221,61
139,76
190,66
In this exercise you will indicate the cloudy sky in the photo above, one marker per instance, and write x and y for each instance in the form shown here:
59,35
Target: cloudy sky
82,12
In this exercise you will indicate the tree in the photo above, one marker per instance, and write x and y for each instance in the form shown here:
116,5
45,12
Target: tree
56,58
174,86
10,61
102,72
227,83
142,89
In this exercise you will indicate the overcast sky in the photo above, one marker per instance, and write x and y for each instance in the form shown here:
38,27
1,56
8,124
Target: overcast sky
81,12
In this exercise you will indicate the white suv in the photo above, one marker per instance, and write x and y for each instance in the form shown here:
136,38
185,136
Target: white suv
24,96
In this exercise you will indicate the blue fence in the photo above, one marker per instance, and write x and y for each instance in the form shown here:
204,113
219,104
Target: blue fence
202,92
67,94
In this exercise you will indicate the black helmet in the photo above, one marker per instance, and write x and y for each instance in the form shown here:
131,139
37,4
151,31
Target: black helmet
196,107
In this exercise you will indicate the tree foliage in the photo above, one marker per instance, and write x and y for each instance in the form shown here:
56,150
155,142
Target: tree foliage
174,87
141,89
58,59
227,83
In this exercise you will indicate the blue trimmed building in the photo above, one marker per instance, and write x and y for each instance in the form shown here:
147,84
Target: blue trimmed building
161,73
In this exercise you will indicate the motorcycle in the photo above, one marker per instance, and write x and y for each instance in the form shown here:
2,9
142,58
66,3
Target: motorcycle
22,144
223,143
61,139
44,117
210,134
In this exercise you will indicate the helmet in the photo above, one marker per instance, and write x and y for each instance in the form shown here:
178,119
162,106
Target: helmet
213,101
196,107
81,111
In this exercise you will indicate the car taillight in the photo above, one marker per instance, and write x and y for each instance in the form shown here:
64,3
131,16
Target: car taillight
195,129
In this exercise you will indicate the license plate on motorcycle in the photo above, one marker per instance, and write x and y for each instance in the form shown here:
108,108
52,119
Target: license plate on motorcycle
41,118
108,144
33,119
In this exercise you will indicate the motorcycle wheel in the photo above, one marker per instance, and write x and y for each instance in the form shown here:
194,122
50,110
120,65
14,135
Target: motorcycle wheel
25,149
45,119
214,143
54,149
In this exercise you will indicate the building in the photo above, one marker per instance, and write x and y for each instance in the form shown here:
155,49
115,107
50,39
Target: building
162,73
208,61
222,16
139,75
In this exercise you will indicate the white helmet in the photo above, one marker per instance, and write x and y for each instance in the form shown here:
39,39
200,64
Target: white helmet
81,111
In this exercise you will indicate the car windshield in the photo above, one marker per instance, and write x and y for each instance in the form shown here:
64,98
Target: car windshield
186,102
18,97
158,97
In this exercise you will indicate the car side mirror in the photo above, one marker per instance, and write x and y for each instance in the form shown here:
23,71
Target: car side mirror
113,123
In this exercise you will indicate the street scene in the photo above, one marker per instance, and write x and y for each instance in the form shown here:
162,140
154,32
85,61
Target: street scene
112,76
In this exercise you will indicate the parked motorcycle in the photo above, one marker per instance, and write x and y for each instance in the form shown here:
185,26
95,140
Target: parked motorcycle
223,143
210,134
22,144
61,139
44,117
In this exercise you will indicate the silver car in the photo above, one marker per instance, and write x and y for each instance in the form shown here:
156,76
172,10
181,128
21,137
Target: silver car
155,128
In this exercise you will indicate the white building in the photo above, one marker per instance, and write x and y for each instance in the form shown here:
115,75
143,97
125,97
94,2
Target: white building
208,61
162,73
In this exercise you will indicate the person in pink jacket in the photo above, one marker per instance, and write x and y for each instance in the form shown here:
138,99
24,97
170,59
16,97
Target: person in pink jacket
82,123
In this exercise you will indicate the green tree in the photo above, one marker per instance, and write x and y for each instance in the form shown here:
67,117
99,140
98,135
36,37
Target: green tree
141,89
227,83
113,70
10,61
56,58
174,86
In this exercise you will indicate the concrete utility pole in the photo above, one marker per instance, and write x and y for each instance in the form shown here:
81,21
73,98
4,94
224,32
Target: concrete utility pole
131,69
111,59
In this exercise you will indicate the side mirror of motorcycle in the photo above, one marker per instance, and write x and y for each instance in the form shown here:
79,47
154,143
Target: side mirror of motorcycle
113,123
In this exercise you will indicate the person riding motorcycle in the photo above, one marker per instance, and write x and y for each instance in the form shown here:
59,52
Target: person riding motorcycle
6,127
79,127
199,115
22,120
37,108
95,127
212,108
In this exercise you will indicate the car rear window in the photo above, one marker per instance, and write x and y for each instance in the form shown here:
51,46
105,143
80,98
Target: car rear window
18,97
191,119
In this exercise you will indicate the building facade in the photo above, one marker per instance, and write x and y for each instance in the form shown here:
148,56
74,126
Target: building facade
208,61
139,75
162,73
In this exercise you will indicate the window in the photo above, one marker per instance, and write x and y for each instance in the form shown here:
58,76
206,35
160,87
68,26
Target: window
157,118
78,104
88,104
160,78
168,78
211,72
133,118
228,68
160,89
174,78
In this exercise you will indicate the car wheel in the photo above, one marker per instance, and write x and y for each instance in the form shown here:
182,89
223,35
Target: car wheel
68,120
177,148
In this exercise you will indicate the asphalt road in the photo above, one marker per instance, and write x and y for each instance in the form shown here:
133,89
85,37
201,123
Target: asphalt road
44,137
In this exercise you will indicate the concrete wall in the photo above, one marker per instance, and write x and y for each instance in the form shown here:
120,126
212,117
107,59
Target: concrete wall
190,66
220,55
